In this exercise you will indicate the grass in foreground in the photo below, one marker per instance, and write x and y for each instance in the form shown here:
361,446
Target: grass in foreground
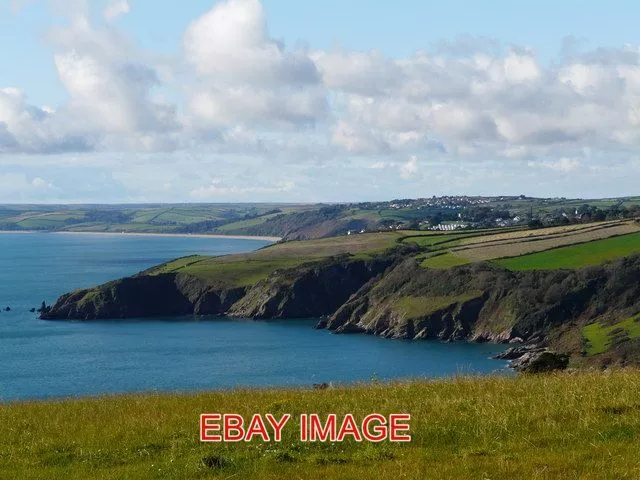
599,338
566,426
576,256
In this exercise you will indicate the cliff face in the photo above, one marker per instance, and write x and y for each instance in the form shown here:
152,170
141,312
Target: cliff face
126,298
310,290
391,296
484,303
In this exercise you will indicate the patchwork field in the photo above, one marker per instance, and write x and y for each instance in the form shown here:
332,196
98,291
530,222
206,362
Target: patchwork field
204,218
523,247
445,260
577,256
561,247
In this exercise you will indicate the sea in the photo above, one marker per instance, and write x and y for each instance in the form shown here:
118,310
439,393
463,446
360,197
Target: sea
59,359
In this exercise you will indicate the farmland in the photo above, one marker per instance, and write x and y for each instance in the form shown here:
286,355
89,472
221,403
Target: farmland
153,218
489,251
246,269
311,221
561,247
405,284
577,256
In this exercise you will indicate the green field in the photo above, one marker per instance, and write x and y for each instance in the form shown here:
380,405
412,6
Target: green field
599,338
139,218
308,221
548,427
249,268
435,239
576,256
416,307
446,260
245,223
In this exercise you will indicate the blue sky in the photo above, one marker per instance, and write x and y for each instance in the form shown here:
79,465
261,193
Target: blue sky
242,100
396,28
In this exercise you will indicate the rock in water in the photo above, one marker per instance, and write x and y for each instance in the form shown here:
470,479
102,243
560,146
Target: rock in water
7,309
541,362
515,353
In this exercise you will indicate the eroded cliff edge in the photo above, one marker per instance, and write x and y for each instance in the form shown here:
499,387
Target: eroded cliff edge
390,295
310,290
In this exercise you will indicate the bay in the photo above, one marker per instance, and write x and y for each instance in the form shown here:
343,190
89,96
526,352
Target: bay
40,359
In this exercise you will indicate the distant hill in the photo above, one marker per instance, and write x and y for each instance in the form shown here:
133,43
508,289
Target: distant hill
310,221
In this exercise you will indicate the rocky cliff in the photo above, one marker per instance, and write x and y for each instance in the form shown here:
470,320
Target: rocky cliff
392,296
309,290
484,303
143,296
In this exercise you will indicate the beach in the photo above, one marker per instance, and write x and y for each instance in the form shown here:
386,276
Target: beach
143,234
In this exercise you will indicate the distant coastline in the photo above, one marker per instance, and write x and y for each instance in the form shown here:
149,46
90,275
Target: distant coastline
142,234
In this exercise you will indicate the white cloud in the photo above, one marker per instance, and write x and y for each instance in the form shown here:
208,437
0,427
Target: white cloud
115,8
410,170
491,103
366,74
347,136
218,188
31,129
236,93
110,84
563,164
379,165
245,76
39,182
457,100
18,187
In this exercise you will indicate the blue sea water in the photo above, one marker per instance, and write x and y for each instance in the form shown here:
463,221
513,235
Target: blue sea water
41,359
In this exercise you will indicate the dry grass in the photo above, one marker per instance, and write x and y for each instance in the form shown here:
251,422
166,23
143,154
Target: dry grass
248,268
550,232
500,248
354,244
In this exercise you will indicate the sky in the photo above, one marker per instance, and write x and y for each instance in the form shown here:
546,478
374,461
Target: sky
125,101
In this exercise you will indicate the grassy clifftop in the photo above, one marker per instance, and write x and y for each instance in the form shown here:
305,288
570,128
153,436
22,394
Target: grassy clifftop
540,286
563,426
243,270
573,246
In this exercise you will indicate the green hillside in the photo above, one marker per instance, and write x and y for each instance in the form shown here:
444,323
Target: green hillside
576,256
310,221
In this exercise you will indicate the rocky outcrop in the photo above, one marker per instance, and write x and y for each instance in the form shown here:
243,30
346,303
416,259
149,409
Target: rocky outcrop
454,322
306,291
478,302
309,291
142,296
540,361
497,305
